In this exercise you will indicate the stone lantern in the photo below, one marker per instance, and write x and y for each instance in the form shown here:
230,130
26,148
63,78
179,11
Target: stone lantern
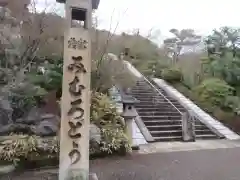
129,113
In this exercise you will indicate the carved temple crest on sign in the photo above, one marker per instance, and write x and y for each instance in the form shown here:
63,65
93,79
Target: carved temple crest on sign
77,44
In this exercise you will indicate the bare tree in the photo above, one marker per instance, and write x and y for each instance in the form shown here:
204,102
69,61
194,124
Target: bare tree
34,30
28,34
107,69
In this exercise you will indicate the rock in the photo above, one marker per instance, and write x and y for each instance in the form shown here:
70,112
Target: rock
17,128
36,122
47,116
7,169
48,126
33,117
5,112
95,139
112,57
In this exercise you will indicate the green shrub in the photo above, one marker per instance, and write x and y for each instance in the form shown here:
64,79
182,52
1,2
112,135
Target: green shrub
22,96
182,88
104,115
23,148
213,91
232,103
171,75
51,79
159,69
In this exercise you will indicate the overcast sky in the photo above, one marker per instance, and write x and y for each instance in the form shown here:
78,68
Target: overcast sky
202,15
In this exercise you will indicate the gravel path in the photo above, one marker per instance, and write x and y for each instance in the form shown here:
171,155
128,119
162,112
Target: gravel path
220,164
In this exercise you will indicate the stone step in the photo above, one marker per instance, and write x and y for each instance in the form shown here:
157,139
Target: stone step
144,97
197,126
170,121
203,131
153,102
164,127
148,96
166,133
162,122
159,113
173,132
156,104
159,108
148,92
143,91
147,88
179,138
169,138
141,109
151,95
140,105
139,88
141,81
169,108
208,136
159,118
142,86
148,104
157,100
162,109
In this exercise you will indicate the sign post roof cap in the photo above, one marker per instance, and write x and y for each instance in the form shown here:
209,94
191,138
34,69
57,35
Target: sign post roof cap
95,3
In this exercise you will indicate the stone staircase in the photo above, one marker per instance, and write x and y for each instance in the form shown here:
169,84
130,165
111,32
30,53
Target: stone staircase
162,115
